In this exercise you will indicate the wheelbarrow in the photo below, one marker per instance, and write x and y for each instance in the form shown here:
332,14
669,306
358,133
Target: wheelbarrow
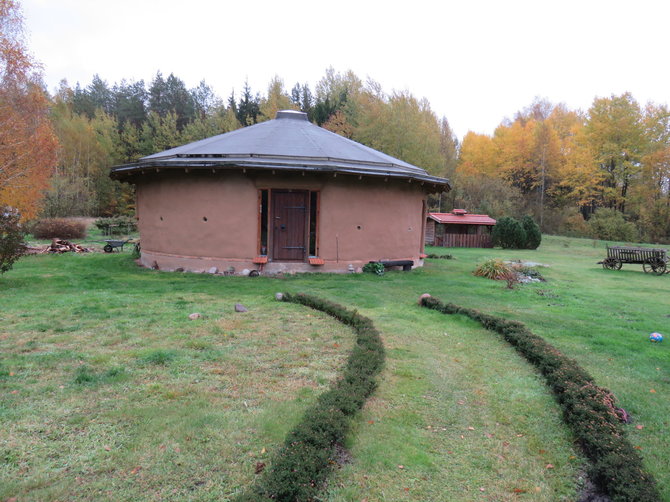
113,244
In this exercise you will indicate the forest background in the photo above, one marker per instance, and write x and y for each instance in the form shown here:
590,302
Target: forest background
602,173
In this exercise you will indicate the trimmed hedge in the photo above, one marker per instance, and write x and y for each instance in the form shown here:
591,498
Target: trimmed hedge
589,410
300,467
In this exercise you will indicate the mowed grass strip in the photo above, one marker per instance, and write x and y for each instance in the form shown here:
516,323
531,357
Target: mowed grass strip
110,392
459,416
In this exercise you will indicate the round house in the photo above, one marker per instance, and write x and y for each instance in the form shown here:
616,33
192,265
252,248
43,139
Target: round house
280,196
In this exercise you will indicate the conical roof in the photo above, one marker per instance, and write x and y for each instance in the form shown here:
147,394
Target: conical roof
290,143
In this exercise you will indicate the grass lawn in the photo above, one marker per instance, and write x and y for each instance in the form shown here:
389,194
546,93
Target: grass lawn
109,392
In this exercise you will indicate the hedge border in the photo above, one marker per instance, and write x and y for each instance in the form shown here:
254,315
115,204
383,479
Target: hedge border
589,410
300,467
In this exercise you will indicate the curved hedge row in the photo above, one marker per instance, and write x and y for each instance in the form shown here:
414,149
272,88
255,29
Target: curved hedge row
589,410
300,467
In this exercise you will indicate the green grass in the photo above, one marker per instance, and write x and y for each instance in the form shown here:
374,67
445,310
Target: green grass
119,396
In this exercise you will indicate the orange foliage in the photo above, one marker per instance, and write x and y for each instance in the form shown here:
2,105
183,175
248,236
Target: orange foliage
28,145
478,155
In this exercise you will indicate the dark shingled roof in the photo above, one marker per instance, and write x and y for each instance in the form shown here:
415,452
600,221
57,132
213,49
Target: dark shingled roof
290,143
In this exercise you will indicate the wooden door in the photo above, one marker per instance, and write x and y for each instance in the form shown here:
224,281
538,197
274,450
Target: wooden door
289,225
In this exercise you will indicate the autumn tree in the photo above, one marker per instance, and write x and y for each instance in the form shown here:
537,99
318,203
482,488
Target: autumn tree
27,142
277,99
89,146
615,133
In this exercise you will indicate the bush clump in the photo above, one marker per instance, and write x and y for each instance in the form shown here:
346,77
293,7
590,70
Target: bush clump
495,269
588,409
532,230
610,224
12,245
299,469
509,233
59,228
374,267
117,225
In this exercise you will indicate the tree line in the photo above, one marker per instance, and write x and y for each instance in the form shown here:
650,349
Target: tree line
575,171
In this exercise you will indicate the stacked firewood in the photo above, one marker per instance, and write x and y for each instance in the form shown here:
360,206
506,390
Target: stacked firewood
63,246
56,246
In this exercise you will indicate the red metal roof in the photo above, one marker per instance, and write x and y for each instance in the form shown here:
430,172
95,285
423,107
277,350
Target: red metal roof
459,217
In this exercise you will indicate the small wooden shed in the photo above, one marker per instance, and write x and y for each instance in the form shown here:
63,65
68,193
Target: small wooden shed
459,229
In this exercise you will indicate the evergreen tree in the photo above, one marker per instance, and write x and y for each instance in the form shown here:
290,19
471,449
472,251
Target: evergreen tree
130,101
509,234
248,107
532,230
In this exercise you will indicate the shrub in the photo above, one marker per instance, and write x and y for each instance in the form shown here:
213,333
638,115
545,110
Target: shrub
11,238
59,228
117,225
533,234
610,225
509,234
494,268
434,256
299,469
590,411
574,225
374,267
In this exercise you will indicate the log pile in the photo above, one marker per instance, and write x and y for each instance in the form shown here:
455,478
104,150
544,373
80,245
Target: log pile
63,246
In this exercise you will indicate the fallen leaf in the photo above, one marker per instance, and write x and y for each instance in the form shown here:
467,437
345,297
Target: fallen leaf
406,489
136,470
471,428
519,490
371,422
542,452
639,427
260,467
11,373
161,447
177,449
505,443
401,467
637,447
336,345
263,451
460,402
481,489
14,392
107,448
549,466
519,435
653,391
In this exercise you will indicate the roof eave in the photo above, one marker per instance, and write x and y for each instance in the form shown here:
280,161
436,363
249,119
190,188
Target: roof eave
119,172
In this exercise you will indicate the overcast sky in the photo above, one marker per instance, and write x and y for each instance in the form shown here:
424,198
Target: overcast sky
477,62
